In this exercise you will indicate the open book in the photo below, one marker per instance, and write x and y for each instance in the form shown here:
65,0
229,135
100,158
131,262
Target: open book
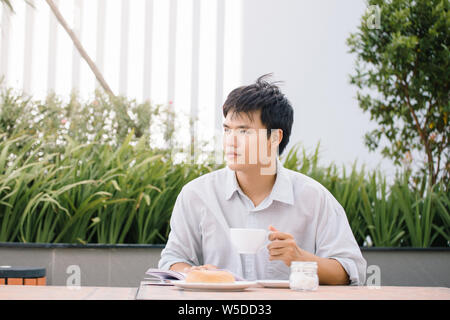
164,276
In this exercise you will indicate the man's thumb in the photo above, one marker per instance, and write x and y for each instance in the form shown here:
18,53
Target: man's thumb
272,228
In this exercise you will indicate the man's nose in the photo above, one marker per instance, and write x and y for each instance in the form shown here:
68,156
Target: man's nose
231,140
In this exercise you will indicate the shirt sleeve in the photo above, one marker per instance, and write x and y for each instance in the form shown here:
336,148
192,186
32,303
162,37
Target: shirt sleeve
335,239
183,244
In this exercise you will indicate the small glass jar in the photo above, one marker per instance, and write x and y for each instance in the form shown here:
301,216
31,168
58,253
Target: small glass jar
304,276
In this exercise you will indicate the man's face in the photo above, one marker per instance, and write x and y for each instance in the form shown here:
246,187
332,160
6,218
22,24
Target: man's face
245,141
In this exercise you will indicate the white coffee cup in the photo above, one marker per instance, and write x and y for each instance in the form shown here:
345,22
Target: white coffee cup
248,241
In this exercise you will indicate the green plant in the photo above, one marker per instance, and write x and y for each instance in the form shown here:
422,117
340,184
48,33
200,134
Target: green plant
420,213
95,193
76,171
379,214
103,119
90,193
92,180
345,188
402,72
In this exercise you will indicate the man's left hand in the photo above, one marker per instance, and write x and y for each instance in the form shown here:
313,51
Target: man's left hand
283,247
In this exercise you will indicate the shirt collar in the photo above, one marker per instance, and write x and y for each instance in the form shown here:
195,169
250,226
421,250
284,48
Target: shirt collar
282,189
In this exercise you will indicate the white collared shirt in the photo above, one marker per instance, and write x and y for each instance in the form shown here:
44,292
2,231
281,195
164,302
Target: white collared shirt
211,204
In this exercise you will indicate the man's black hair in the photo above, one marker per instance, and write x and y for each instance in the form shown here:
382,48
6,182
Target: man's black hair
276,110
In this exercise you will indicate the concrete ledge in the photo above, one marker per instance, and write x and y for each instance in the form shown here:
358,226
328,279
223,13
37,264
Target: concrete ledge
77,245
427,267
112,266
125,265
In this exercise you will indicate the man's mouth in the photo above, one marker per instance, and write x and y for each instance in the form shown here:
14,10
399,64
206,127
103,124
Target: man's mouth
232,154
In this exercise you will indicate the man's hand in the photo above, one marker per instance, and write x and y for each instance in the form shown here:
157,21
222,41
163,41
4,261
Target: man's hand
283,247
203,267
185,267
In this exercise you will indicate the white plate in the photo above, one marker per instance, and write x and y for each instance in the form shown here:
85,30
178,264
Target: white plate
232,286
273,283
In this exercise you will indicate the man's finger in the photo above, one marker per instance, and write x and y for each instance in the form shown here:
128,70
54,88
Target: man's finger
277,244
196,268
281,257
204,267
279,236
210,267
189,269
277,252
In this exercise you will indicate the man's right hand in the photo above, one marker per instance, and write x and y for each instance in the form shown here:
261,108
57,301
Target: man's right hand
203,267
186,268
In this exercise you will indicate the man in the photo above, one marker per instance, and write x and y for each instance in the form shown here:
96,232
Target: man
254,190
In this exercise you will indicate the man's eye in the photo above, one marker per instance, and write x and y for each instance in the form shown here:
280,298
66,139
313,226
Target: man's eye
243,131
226,130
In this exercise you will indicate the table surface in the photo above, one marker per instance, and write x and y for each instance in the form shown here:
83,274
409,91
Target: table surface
153,292
322,293
9,292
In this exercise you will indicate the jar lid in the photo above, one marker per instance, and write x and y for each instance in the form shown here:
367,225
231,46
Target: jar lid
304,265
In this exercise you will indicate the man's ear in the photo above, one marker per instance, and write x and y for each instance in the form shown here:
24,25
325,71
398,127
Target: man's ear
276,136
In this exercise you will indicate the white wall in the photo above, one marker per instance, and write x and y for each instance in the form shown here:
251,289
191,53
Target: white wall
180,52
303,42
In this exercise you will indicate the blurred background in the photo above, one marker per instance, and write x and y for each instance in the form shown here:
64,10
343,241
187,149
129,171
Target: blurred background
104,105
192,53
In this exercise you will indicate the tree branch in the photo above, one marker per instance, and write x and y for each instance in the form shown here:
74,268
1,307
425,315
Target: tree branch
440,149
79,47
404,86
427,114
85,56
